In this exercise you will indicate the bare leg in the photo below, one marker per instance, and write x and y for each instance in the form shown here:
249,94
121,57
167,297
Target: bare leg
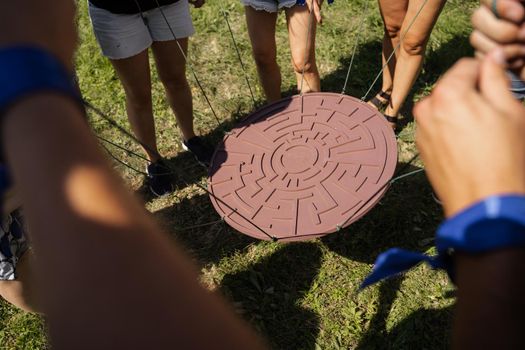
301,31
21,292
134,73
261,28
412,50
171,66
393,12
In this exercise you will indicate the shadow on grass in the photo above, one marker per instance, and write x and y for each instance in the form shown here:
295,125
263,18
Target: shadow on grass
429,327
269,295
269,291
209,243
406,217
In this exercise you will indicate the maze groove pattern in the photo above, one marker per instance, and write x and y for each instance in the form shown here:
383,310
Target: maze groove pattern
303,167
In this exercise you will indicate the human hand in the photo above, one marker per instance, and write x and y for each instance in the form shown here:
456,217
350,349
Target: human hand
507,31
470,133
315,7
49,25
197,3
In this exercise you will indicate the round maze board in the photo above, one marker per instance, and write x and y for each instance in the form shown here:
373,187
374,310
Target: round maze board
303,167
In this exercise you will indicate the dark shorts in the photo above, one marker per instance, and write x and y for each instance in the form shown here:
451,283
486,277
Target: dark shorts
13,244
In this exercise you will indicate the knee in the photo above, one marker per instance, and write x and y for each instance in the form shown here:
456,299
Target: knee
175,82
264,58
392,31
414,46
301,63
139,99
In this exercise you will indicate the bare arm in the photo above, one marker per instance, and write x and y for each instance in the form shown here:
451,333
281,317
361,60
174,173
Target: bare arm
470,134
106,273
506,32
108,277
490,313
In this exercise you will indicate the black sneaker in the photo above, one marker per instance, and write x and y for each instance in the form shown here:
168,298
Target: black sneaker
202,152
159,178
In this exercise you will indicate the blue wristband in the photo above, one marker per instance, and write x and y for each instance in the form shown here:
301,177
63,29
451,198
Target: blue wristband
23,72
28,70
495,223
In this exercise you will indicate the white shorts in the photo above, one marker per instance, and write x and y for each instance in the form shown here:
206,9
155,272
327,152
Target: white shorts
124,36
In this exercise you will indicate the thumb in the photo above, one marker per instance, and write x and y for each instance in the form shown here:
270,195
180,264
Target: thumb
494,83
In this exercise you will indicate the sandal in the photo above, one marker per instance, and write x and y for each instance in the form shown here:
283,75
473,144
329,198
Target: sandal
392,121
377,103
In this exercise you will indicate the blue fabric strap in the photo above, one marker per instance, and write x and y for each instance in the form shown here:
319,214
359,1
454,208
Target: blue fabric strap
27,70
396,261
495,223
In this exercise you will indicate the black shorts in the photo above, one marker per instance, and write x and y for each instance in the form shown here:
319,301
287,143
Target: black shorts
13,244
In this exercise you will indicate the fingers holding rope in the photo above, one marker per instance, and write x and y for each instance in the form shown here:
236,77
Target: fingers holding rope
315,7
510,10
500,30
499,24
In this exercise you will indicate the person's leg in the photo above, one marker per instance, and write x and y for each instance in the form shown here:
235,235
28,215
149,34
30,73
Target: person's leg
412,50
302,31
21,292
393,13
171,67
261,28
134,74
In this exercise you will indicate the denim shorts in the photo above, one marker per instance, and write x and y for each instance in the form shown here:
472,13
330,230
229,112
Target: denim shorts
269,5
123,36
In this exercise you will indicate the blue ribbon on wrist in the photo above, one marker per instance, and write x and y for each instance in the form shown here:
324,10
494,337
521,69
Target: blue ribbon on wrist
494,223
25,70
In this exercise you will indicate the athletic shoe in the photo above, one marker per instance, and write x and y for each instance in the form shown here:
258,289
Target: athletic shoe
202,152
159,178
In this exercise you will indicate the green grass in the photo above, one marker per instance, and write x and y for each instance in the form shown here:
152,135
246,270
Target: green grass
299,296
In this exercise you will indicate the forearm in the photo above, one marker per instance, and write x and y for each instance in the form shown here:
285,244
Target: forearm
490,310
106,274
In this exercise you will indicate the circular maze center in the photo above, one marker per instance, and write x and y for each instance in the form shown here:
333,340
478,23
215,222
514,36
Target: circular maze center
298,159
